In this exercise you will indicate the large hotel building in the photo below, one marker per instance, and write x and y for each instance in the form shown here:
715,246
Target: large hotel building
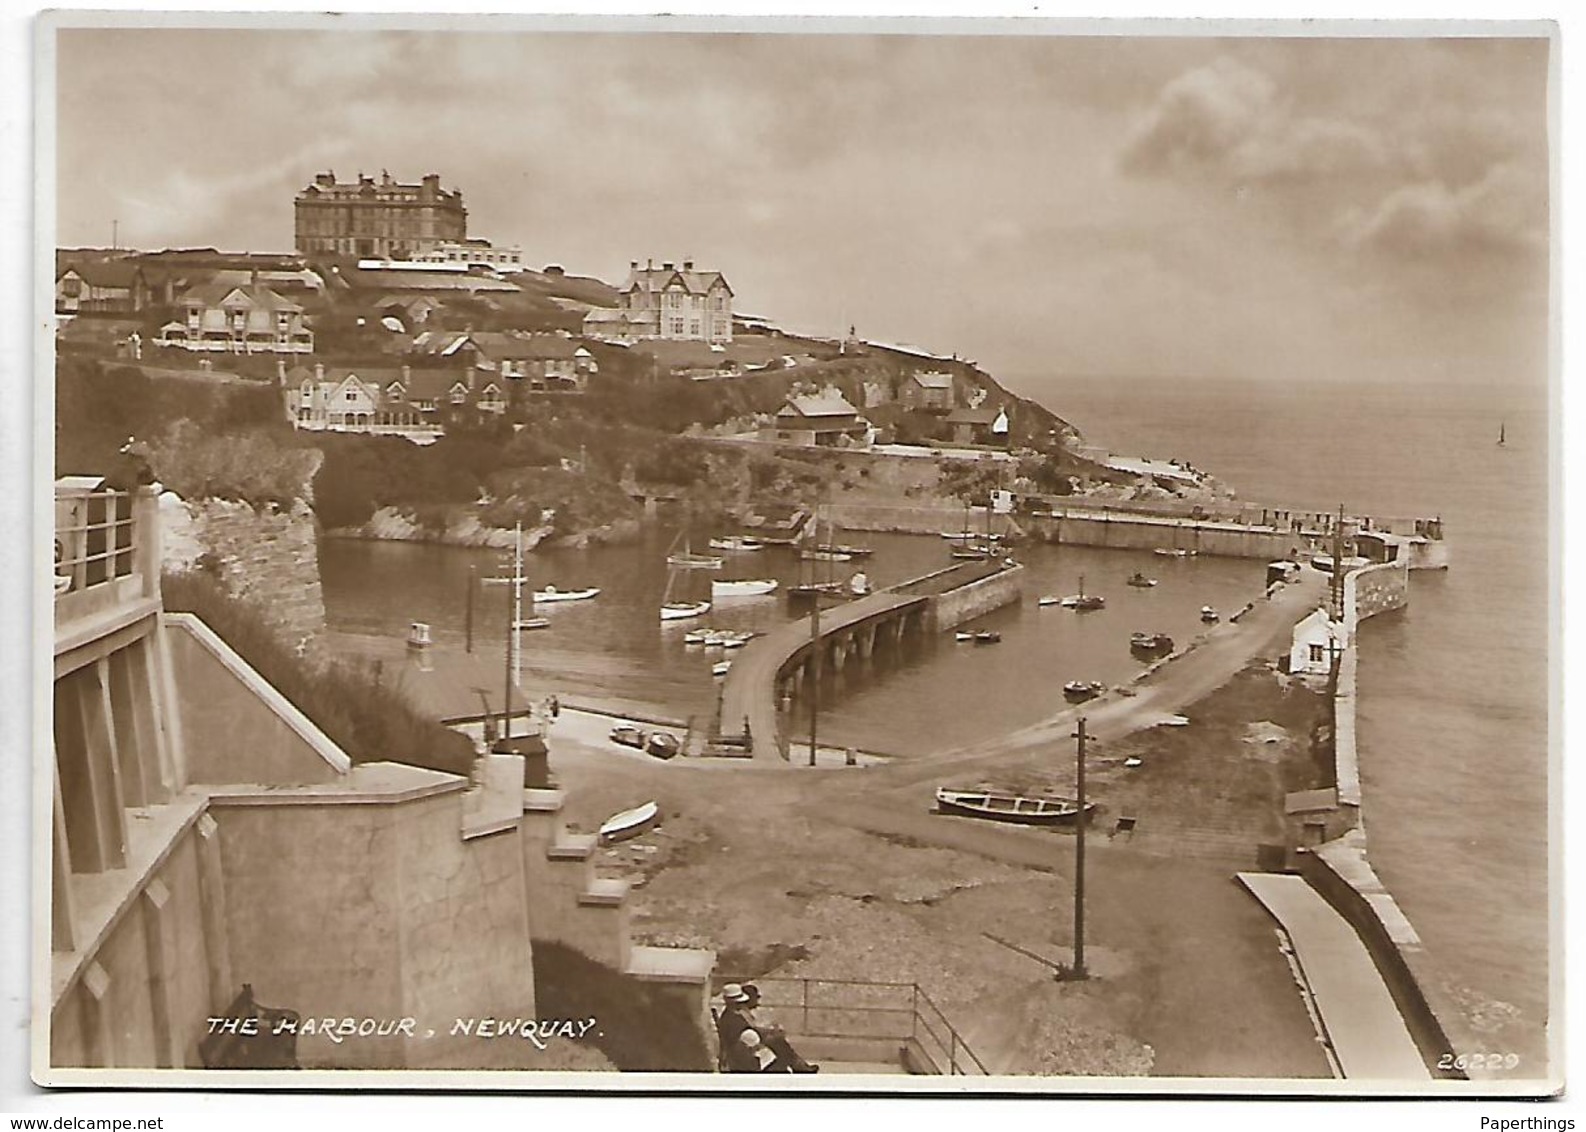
381,219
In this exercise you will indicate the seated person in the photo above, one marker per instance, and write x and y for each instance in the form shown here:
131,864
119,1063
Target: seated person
748,1054
743,1011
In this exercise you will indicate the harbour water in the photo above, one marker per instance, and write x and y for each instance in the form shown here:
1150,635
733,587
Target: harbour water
1454,689
1454,700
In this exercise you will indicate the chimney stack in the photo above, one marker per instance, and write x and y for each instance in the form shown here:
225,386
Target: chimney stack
688,265
319,372
666,265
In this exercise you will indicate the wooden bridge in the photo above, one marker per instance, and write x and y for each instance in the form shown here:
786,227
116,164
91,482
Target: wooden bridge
778,665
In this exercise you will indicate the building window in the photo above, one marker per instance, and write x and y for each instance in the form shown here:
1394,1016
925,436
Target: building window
1318,654
350,395
677,326
693,327
459,395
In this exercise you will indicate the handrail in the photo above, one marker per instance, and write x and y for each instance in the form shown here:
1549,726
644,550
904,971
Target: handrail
949,1048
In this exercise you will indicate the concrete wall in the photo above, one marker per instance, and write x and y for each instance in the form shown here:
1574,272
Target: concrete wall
313,905
230,732
1341,872
150,1010
1340,869
977,598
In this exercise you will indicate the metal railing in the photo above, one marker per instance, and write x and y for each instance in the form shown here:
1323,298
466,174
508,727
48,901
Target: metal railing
867,1010
95,538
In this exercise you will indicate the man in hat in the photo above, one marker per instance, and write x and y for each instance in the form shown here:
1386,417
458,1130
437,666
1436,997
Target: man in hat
741,1012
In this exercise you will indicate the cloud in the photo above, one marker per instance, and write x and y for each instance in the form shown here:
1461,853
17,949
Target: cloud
1227,121
1503,212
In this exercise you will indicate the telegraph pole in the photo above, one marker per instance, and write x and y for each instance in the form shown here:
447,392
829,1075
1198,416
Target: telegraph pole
815,669
1079,857
468,609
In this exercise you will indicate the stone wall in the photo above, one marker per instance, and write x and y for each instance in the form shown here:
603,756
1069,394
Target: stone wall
966,603
268,555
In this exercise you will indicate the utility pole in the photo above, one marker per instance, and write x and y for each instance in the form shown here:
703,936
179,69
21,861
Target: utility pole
1079,856
468,609
815,670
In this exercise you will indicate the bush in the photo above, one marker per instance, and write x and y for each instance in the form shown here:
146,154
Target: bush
641,1027
371,721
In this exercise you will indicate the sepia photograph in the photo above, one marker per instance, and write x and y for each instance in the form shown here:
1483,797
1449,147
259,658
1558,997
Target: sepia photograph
896,556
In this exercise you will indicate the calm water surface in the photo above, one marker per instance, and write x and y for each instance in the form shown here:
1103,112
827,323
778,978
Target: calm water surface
1454,705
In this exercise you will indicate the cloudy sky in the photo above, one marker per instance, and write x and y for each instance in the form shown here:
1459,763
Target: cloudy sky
1297,209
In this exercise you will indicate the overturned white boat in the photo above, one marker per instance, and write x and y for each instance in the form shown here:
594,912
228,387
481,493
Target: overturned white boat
630,823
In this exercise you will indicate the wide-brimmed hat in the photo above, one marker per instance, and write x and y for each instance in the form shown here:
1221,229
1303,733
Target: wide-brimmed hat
732,992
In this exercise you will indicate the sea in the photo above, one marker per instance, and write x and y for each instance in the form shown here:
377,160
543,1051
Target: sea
1454,700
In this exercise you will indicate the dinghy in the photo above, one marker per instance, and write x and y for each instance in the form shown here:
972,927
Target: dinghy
630,823
1021,808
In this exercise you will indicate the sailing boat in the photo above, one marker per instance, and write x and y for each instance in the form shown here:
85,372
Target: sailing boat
686,559
808,586
678,609
1082,601
1501,433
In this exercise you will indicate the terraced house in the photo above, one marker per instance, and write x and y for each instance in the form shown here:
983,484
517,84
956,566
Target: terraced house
388,400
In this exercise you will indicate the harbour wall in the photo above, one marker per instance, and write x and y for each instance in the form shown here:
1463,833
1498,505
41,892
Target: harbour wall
1340,869
1127,531
953,608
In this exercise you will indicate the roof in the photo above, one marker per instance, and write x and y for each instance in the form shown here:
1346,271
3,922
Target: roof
934,379
973,416
423,281
819,405
215,293
103,272
660,278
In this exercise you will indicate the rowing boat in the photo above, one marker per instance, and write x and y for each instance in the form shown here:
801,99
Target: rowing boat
630,823
1021,808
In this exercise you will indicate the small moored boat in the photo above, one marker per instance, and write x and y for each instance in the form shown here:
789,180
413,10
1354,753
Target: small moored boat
1140,581
1024,809
1078,691
1209,615
721,668
963,637
1173,552
551,593
742,587
736,543
524,624
988,637
1048,599
1082,601
1150,644
630,823
680,610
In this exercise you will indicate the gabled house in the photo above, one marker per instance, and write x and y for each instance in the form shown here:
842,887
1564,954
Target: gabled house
416,403
102,286
540,362
675,302
824,420
238,319
931,390
982,426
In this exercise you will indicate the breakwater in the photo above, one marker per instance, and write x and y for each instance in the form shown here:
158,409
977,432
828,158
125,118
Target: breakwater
1264,533
1340,868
